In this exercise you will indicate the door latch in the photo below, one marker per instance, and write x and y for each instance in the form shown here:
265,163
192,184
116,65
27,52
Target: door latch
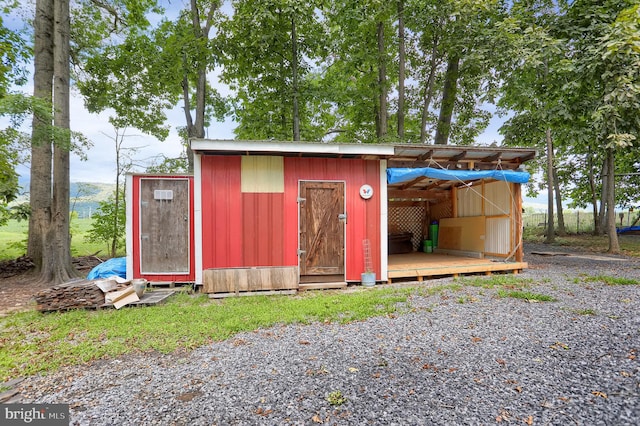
342,216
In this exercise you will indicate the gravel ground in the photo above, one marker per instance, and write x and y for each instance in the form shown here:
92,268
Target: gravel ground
487,360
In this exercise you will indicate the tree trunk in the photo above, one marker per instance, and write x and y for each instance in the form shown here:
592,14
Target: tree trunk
114,240
556,187
614,244
428,90
49,236
603,198
550,227
60,269
594,196
401,69
196,129
449,93
41,151
294,72
382,127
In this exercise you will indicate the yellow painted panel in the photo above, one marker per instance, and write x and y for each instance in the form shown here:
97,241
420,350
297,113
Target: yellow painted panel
262,174
462,233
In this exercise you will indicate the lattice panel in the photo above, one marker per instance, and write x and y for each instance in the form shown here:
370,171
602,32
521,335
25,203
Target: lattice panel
441,210
407,219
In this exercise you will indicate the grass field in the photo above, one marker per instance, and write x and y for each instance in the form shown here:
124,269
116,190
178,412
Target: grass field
13,239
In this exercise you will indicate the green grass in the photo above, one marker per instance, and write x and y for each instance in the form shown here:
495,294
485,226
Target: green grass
496,281
608,280
629,244
34,342
336,398
13,239
590,312
525,295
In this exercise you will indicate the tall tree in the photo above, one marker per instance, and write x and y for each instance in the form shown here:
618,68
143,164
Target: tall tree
454,56
272,48
401,69
49,238
533,77
147,70
361,67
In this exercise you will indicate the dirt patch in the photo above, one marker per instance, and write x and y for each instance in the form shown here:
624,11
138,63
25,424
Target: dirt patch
18,284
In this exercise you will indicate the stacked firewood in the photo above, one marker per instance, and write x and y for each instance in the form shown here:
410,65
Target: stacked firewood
9,268
81,294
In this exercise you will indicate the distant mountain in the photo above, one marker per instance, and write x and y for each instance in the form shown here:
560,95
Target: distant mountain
84,197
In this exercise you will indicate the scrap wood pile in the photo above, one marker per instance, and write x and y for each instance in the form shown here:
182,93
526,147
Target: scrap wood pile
86,294
23,264
12,267
86,263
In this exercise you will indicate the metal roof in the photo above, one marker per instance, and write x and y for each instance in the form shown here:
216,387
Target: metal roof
460,157
399,155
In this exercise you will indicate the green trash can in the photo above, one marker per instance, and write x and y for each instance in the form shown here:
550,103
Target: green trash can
433,234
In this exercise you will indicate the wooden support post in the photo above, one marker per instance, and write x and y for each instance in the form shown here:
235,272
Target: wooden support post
517,218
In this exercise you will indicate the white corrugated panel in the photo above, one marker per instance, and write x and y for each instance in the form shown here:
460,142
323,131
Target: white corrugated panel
497,235
497,198
469,201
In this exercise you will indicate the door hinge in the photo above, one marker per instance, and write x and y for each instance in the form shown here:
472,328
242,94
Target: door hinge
300,252
301,200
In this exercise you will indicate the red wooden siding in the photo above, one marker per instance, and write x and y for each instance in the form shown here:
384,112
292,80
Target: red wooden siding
251,229
263,229
221,212
136,232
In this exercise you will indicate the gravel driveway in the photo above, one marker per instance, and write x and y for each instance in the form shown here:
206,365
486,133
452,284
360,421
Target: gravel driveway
463,357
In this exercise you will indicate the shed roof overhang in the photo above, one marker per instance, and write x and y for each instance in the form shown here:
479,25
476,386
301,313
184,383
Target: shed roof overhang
422,188
291,149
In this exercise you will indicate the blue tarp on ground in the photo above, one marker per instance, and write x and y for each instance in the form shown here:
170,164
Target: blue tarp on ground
628,229
116,266
397,175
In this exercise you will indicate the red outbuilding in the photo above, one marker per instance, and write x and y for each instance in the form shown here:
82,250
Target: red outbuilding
160,238
268,215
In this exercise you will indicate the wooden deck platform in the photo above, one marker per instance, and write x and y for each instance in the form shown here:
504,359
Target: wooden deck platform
422,265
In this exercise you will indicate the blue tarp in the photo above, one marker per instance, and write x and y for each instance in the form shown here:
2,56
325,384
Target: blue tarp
116,266
397,175
632,229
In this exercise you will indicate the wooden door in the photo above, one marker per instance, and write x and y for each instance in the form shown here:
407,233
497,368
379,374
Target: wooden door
164,226
322,228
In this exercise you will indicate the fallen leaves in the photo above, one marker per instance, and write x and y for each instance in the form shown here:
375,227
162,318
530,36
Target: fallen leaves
600,394
262,412
560,345
239,342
